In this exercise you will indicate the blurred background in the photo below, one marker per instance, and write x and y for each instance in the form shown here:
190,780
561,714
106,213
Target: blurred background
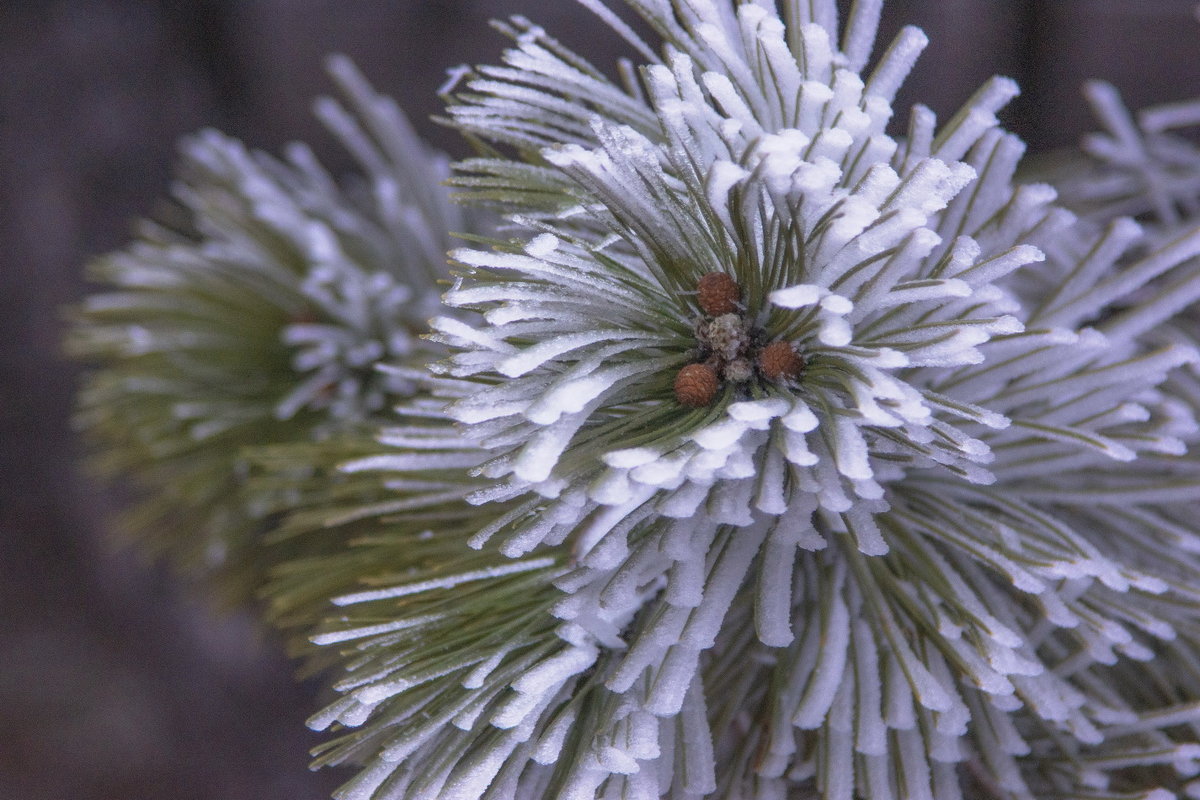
116,681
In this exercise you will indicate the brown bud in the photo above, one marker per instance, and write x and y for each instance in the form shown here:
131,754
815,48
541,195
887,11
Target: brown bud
717,294
779,360
696,385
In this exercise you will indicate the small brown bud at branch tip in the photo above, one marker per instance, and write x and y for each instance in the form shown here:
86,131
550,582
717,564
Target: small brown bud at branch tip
718,294
696,385
779,361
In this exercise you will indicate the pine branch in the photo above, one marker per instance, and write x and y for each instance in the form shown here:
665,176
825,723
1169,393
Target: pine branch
258,320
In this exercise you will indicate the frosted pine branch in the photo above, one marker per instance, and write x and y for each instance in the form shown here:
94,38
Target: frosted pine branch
886,476
259,321
1141,164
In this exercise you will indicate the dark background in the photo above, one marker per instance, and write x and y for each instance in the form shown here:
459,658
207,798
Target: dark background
116,682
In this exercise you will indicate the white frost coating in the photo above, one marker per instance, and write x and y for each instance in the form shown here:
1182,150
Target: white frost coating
850,453
446,582
722,177
536,459
672,680
754,413
870,730
773,599
798,296
549,674
896,63
861,524
634,457
800,418
819,695
721,435
336,637
836,770
413,462
533,357
796,450
542,245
